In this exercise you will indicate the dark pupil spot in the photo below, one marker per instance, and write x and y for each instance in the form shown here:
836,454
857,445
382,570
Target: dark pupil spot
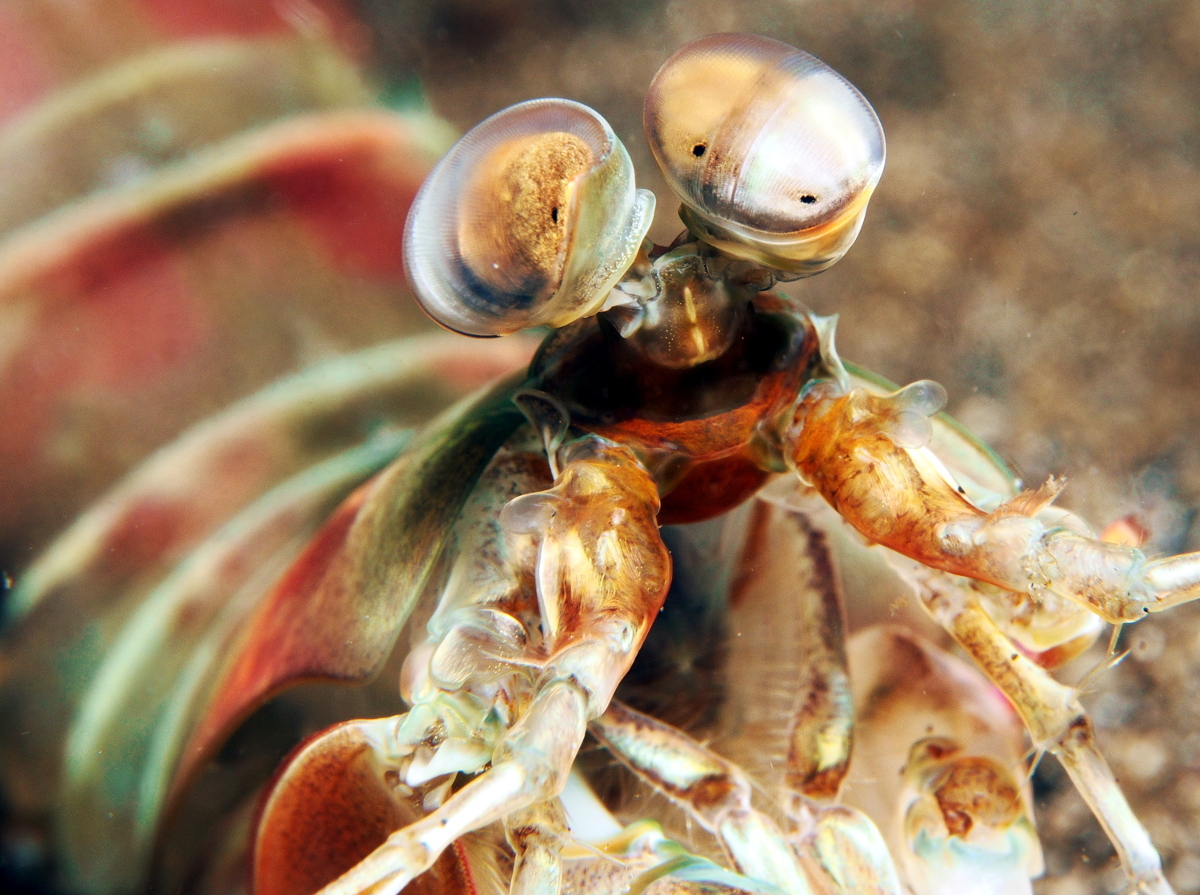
554,214
808,199
699,149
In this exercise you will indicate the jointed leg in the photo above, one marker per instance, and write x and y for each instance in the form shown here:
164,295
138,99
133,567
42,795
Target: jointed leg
639,857
836,849
535,834
1053,715
857,450
712,790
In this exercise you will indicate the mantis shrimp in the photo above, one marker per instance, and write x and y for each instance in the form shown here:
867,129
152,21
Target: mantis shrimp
523,527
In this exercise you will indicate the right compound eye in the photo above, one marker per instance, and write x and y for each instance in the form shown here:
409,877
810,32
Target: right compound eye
529,220
773,153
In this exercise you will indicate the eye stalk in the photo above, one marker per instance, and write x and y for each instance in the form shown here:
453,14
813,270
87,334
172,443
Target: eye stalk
774,154
529,220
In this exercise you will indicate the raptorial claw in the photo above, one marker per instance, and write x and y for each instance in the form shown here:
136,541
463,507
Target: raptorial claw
338,798
518,701
901,496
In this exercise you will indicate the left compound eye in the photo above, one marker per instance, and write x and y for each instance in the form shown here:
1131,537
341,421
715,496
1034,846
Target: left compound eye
774,154
529,220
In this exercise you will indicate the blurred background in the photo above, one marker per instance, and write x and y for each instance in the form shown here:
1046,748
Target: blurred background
1033,246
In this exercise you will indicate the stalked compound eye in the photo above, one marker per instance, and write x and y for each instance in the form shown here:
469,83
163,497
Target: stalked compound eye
529,220
774,154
